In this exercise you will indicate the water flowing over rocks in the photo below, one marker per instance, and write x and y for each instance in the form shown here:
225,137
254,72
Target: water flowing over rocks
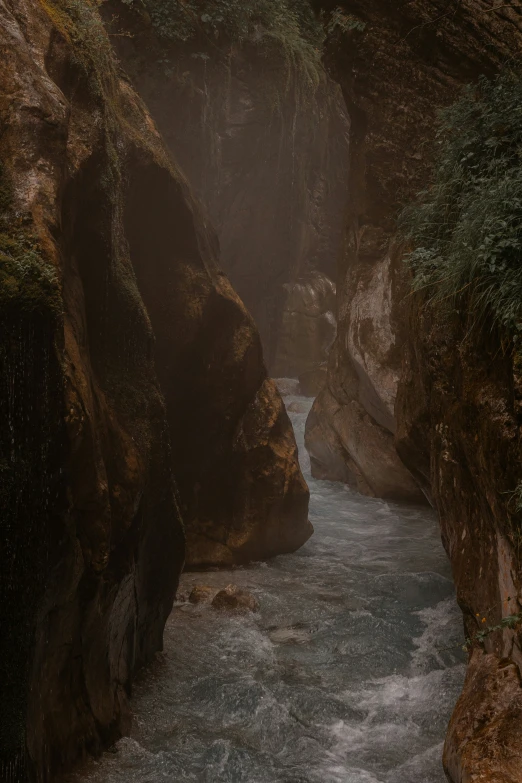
451,403
232,598
348,671
132,393
139,430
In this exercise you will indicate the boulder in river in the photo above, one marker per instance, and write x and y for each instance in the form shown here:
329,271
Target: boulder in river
287,386
313,381
202,594
232,598
297,407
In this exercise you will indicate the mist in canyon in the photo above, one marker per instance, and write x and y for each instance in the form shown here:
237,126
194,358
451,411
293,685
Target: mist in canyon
260,391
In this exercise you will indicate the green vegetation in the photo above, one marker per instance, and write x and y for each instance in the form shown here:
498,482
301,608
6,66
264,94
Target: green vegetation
119,114
511,621
287,26
237,20
466,228
26,280
79,23
344,23
516,498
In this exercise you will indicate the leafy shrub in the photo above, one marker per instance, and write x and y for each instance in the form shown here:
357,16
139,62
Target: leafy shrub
27,282
289,24
345,23
512,621
466,228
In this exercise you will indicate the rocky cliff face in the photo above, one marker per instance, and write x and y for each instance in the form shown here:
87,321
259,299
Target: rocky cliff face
350,430
263,142
308,326
128,365
456,416
395,71
460,430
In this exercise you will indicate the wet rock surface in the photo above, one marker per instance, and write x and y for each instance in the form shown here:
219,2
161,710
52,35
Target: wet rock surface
346,444
297,407
287,386
201,594
141,393
353,418
460,430
483,736
233,599
92,541
256,505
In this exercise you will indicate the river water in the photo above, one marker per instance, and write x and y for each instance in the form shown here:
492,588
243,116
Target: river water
348,674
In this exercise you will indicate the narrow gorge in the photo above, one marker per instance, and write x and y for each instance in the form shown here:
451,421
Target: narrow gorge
260,419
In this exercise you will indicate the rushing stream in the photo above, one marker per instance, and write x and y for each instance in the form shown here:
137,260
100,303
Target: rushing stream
348,674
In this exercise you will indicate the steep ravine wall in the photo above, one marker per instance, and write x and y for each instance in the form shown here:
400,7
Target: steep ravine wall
460,420
263,144
452,402
394,74
132,385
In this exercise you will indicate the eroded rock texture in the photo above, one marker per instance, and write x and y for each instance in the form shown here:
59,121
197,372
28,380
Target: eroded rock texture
126,360
410,59
308,326
263,147
459,429
350,430
457,418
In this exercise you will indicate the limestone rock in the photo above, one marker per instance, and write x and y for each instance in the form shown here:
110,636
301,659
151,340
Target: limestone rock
234,599
312,382
308,326
459,430
297,407
484,741
92,540
287,387
258,506
392,114
354,412
346,444
202,594
141,393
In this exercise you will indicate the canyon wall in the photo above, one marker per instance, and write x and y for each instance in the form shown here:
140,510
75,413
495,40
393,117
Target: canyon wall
308,326
132,393
262,138
449,404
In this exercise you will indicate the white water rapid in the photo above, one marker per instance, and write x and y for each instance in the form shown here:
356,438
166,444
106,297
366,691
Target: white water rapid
348,674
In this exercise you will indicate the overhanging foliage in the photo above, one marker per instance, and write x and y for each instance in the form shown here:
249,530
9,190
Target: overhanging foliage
466,228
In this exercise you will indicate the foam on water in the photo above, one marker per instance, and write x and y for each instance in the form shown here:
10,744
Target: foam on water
347,675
